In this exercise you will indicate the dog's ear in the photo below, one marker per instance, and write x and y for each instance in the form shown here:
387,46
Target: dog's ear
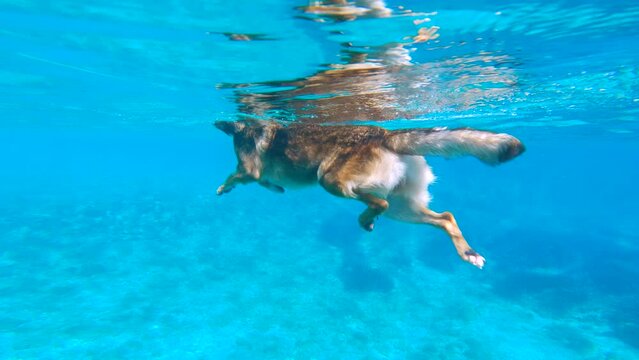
229,127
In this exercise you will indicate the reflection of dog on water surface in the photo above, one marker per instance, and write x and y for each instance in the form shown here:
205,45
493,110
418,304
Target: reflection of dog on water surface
377,83
381,84
374,83
343,10
385,170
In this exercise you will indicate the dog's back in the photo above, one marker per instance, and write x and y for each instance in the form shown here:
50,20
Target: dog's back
296,152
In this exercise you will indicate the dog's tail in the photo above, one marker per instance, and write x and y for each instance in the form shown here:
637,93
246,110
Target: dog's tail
489,147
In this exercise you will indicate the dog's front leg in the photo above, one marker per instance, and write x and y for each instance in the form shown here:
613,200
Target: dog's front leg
269,185
232,180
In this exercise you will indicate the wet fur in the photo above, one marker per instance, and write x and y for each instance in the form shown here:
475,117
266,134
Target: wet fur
384,169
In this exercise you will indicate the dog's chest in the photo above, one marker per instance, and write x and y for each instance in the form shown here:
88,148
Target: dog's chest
288,175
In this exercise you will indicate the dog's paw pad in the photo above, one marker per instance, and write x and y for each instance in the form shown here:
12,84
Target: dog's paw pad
474,258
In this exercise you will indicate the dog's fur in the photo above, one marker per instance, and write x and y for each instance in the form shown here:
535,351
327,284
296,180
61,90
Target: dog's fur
384,169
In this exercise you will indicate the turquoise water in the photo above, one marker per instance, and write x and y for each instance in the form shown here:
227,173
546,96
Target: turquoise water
113,243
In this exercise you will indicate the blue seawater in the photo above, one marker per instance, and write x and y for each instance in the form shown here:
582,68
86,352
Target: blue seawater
113,244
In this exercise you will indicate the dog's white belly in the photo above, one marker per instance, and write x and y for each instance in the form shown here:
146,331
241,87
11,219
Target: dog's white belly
411,195
403,181
396,175
382,175
416,180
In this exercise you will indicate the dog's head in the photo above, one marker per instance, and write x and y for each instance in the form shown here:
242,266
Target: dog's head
248,135
243,127
230,127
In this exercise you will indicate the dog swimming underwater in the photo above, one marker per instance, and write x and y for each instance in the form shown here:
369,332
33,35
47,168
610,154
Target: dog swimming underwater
384,169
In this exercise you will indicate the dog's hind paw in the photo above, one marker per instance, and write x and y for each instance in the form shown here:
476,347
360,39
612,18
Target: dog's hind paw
367,225
474,258
366,221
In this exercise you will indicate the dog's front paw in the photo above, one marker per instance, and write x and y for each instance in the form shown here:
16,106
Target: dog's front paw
272,187
474,258
223,189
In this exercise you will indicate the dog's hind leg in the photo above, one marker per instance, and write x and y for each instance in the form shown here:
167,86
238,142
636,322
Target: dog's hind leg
446,221
409,210
376,205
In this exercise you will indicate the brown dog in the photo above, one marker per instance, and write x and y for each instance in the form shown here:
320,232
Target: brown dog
384,169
